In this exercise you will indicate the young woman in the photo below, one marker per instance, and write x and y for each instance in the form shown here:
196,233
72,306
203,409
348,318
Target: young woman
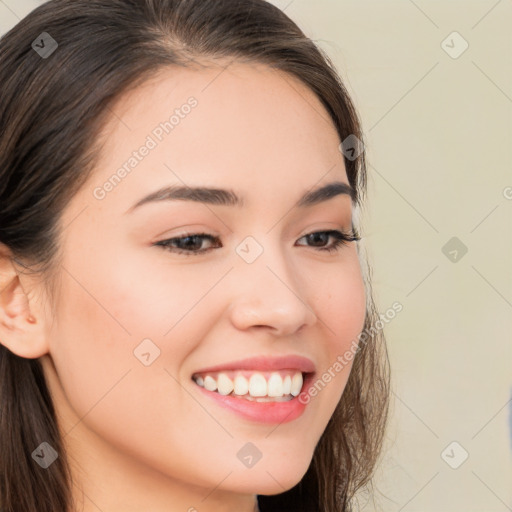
185,320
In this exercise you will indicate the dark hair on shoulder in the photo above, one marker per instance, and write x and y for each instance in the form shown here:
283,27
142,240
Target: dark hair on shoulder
51,112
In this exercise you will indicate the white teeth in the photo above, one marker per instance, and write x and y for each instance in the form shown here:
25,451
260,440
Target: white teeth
210,383
296,384
241,385
275,385
257,388
257,385
287,385
224,384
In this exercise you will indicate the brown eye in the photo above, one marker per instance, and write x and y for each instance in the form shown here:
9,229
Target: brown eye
192,243
340,239
189,244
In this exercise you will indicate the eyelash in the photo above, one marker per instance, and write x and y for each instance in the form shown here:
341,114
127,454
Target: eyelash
341,239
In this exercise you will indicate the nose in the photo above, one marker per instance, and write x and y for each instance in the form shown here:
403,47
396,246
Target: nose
270,293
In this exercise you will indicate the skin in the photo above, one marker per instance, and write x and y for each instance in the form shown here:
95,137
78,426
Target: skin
144,437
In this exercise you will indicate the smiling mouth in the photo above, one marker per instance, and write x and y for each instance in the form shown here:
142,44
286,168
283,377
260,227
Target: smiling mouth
272,386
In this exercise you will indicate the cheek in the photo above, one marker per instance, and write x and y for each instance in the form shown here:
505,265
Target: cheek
91,348
149,294
114,311
341,310
107,390
341,305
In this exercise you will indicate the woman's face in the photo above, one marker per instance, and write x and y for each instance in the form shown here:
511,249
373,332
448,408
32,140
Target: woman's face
136,320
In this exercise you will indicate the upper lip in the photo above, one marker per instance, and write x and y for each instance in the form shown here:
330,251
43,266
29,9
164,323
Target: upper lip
265,363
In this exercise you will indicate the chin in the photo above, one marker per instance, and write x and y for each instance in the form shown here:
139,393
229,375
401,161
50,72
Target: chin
272,479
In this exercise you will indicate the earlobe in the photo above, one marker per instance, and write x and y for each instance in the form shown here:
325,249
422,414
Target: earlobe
21,328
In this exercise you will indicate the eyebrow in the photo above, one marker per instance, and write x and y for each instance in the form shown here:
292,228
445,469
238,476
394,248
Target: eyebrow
222,197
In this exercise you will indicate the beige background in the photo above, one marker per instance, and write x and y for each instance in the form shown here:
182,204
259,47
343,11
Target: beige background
438,136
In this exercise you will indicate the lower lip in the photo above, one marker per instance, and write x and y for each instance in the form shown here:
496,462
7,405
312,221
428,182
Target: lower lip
262,412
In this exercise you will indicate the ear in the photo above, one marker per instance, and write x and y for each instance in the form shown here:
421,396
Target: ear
22,320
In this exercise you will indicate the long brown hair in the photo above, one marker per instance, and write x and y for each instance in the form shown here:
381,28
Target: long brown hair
52,108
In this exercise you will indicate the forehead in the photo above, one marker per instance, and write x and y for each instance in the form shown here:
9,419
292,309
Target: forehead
244,126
